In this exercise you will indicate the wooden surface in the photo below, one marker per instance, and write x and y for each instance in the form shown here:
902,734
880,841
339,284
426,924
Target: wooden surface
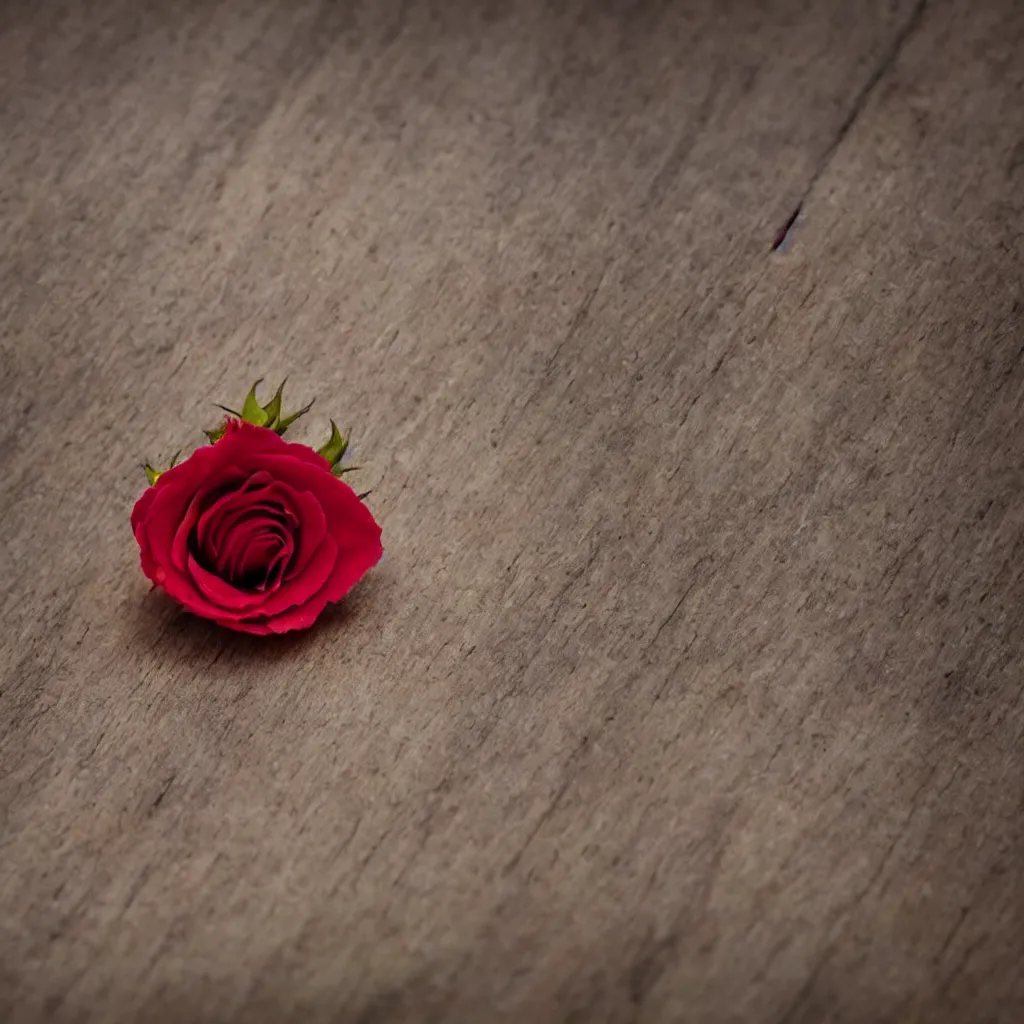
690,688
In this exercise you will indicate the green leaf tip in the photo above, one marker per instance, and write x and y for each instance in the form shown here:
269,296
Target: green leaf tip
285,422
253,411
273,408
334,450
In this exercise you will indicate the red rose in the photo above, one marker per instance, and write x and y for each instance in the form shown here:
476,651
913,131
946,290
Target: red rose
255,533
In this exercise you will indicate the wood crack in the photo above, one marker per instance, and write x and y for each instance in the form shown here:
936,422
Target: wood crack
857,107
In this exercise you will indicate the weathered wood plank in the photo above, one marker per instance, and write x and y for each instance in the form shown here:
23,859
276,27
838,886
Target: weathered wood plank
691,687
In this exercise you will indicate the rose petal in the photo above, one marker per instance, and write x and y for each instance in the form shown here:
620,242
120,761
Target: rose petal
221,593
258,555
305,587
279,565
342,508
140,513
312,528
213,512
298,618
349,521
301,616
231,564
273,501
174,492
141,510
229,554
205,471
184,589
353,562
247,444
257,627
179,549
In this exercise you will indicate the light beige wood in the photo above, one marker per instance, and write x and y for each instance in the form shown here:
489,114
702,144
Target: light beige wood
690,687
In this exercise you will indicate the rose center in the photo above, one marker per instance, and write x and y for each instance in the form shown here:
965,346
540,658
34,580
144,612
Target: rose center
247,537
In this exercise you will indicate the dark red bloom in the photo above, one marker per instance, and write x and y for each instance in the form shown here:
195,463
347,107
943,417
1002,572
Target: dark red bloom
255,533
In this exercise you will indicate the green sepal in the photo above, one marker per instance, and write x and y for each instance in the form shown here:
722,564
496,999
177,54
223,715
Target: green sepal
252,411
284,423
269,415
273,408
334,450
340,471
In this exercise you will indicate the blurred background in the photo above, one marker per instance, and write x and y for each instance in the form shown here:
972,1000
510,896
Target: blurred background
681,344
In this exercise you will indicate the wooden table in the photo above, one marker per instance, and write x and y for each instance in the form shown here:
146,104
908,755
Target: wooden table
690,688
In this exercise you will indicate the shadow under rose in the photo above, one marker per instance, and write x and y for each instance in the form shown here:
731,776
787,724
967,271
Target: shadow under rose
158,624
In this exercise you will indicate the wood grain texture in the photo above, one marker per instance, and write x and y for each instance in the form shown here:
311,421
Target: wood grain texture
690,688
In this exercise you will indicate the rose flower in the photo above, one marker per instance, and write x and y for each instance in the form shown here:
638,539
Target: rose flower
254,532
